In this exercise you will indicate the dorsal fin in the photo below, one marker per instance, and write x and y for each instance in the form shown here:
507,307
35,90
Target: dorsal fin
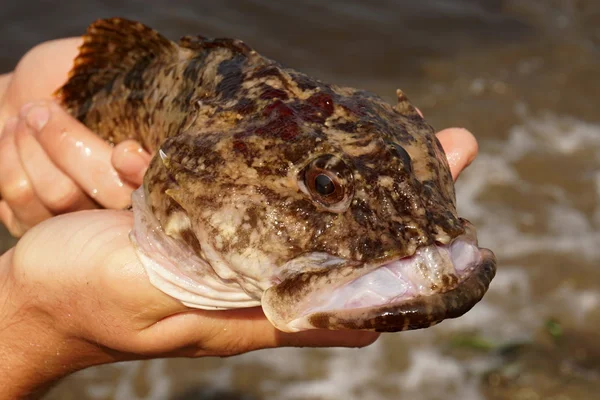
110,47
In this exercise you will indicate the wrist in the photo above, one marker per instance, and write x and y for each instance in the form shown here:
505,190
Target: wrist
35,348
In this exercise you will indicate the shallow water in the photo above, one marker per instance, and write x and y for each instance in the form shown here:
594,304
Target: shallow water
524,76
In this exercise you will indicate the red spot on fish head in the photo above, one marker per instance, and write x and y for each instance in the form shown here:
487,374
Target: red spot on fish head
323,102
277,108
317,108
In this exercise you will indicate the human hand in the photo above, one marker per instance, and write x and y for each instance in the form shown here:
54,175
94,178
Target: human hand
49,162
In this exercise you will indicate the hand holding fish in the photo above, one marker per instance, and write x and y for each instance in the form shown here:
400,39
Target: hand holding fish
94,303
50,163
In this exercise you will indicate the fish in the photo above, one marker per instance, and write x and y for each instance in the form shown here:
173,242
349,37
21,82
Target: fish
323,204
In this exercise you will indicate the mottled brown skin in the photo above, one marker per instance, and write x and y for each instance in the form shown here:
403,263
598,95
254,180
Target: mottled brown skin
237,131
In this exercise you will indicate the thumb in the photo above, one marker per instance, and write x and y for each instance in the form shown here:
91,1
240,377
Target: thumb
460,147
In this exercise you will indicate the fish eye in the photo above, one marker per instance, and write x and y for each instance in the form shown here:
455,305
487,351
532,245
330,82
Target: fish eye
328,181
324,185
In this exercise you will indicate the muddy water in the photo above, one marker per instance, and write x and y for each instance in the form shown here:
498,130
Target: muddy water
524,76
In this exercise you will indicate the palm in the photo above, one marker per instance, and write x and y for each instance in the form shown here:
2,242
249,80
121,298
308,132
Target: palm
103,292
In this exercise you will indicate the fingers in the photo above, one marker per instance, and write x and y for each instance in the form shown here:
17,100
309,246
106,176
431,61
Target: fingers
55,190
20,207
323,338
52,164
131,161
70,145
460,147
224,333
25,202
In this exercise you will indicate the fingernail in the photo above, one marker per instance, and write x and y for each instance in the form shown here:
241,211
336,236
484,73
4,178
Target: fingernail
136,162
37,116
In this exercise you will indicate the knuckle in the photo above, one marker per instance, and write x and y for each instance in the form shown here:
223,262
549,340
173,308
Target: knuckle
62,197
17,193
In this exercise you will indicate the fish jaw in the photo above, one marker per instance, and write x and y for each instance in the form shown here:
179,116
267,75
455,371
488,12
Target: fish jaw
436,283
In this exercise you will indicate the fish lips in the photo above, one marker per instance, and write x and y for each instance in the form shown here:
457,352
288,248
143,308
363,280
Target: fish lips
417,313
436,283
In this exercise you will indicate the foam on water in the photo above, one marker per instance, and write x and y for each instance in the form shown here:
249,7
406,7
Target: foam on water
433,375
568,228
153,374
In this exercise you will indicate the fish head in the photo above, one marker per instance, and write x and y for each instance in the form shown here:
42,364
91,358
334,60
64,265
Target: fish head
338,213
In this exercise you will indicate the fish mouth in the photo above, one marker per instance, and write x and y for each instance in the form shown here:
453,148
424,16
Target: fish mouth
437,282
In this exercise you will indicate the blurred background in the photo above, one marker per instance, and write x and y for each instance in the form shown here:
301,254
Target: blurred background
524,76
